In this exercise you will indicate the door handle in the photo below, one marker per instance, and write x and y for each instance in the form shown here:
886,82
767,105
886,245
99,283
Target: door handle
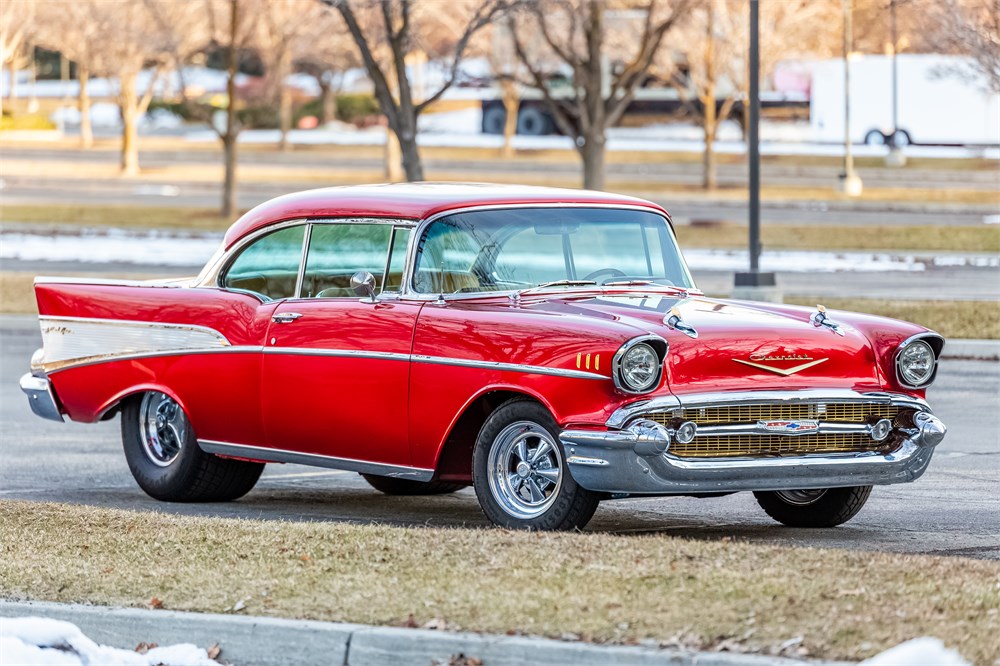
285,317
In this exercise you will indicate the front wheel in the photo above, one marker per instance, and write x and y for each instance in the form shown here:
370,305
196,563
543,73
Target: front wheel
163,454
821,507
520,475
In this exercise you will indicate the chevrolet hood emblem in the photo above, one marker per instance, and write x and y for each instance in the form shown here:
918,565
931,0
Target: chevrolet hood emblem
756,362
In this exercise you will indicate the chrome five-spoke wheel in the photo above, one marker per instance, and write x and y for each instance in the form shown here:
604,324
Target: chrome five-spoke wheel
525,469
520,475
164,428
801,497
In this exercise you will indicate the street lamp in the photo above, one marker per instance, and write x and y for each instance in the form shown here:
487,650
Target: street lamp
755,285
895,157
850,182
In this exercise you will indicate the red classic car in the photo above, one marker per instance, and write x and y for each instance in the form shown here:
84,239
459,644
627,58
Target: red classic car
547,347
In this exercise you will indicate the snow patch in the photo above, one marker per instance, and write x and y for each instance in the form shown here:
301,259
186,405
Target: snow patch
45,642
917,652
153,248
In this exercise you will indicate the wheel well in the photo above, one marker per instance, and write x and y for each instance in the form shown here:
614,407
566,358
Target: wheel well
455,460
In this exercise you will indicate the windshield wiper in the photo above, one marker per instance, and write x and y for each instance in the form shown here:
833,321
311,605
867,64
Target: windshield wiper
558,283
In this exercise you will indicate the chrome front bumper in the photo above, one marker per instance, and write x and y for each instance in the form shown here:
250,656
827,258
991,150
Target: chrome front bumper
41,397
636,459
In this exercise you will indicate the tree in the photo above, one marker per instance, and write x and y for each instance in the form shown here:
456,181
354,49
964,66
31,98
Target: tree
281,25
326,52
74,29
387,32
504,65
972,28
712,48
573,35
17,25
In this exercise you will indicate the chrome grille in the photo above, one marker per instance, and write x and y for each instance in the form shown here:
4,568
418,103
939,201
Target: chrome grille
768,444
733,446
843,412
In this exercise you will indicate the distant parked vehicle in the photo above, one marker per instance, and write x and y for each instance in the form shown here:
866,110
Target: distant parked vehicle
941,100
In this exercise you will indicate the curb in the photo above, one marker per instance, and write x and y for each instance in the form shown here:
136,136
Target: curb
986,350
265,641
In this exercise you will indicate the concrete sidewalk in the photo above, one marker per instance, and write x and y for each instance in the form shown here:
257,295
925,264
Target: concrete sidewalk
265,641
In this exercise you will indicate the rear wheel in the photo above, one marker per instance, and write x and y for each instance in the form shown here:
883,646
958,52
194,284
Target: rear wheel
821,507
163,454
392,486
875,138
519,472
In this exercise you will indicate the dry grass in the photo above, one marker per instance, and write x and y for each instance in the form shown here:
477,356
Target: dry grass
167,217
982,238
952,319
601,587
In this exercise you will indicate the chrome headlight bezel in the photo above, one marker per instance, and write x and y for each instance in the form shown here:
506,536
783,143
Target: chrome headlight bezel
933,343
655,344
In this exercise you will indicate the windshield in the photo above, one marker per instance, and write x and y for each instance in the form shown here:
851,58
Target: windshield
520,248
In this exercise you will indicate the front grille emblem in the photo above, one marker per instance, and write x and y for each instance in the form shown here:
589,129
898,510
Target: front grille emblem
789,427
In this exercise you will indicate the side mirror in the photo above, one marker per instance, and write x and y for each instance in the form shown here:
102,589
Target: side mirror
363,284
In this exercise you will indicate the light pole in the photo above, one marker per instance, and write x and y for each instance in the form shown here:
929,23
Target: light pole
754,285
895,156
850,182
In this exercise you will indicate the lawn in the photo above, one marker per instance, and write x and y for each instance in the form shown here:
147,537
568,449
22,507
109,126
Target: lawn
952,319
600,587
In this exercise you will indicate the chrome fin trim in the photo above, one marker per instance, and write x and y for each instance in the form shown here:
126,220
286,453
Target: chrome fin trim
315,459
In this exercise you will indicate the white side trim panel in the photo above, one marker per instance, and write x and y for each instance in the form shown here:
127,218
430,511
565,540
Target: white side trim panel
77,340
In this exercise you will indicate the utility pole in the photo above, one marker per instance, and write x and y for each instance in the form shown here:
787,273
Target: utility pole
895,157
755,285
850,182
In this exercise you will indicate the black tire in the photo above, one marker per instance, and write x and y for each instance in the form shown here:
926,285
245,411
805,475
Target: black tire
192,475
566,507
494,119
875,138
532,121
833,507
391,486
900,139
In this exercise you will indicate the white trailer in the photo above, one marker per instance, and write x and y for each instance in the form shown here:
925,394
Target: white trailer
942,100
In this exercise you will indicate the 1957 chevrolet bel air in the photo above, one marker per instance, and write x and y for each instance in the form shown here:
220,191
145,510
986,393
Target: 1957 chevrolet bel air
547,347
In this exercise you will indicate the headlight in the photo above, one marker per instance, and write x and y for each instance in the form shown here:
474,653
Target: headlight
915,364
639,368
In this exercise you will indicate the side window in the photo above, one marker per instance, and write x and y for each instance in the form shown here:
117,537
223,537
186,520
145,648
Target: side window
397,259
269,266
338,251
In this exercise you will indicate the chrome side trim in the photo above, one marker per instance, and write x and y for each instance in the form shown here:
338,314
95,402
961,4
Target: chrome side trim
41,397
315,459
508,367
669,403
74,340
937,349
111,358
348,353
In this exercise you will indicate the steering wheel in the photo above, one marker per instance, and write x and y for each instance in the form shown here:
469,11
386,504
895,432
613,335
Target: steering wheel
612,272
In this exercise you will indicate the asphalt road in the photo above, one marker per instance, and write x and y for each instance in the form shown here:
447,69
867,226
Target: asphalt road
953,510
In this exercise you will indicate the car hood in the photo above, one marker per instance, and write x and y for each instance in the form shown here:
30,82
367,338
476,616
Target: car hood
739,345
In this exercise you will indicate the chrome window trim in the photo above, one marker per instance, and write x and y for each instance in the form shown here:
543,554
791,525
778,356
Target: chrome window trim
306,238
409,274
621,416
315,459
926,335
211,273
616,361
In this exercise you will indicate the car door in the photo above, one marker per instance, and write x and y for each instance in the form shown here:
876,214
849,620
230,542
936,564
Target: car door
336,365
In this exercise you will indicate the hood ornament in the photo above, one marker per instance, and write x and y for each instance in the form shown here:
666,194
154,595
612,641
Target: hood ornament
673,320
820,318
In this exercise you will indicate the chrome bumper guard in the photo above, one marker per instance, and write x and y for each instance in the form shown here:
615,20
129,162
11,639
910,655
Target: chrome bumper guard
41,397
636,459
